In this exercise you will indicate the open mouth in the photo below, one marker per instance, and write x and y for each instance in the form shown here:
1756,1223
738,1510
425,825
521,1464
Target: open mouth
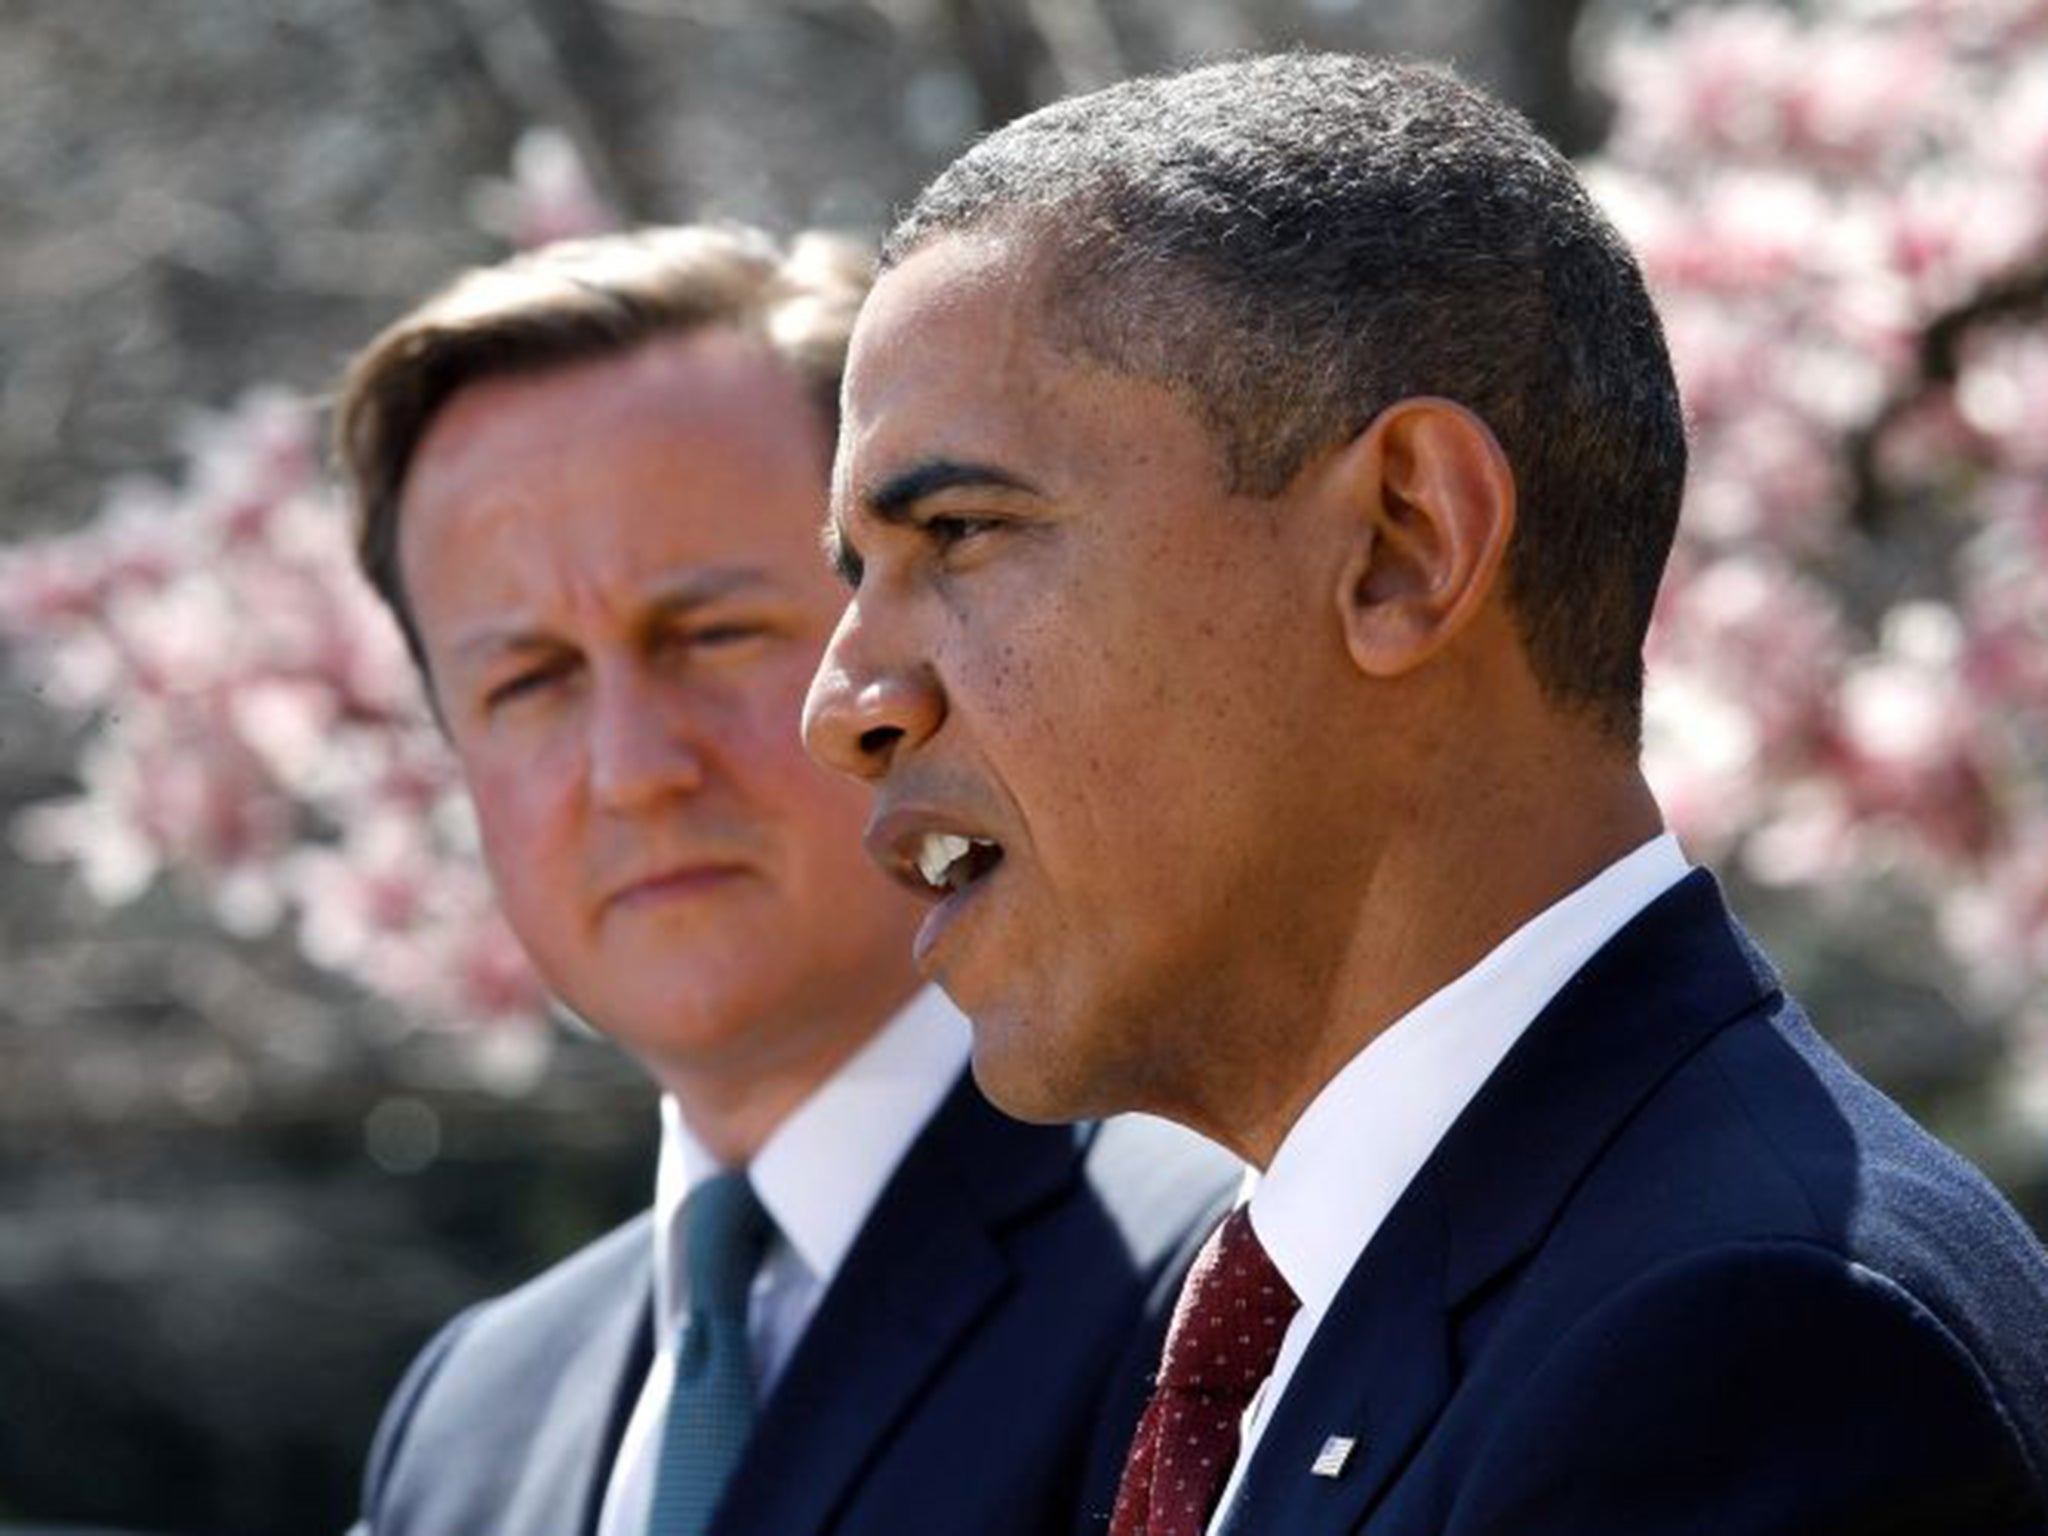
948,862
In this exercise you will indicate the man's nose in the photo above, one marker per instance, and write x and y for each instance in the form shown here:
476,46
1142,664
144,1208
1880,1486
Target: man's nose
865,708
643,748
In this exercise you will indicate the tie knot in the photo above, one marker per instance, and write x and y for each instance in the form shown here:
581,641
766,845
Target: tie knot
1233,1312
725,1232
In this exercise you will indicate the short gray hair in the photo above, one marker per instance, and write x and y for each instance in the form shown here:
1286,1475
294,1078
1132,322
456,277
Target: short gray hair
1295,242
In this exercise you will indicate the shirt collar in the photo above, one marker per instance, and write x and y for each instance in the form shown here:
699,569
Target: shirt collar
1346,1161
823,1168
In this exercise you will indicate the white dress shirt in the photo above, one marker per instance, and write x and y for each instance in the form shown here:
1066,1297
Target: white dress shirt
1346,1161
818,1174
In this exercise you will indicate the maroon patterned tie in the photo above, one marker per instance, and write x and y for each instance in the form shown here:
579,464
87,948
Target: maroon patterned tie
1221,1345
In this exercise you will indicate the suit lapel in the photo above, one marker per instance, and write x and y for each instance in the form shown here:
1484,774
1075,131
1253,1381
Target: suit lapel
1376,1373
925,1269
1379,1368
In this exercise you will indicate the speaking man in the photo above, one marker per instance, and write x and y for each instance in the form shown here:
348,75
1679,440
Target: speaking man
1254,484
589,483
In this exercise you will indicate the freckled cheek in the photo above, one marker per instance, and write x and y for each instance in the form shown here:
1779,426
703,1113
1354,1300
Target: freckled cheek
1044,705
1124,743
1004,706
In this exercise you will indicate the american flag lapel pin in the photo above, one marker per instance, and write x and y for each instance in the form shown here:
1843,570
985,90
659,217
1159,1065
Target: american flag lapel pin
1333,1457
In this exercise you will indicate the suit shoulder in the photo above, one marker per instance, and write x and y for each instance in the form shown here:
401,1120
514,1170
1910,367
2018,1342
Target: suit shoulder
501,1354
399,1412
1766,1140
1771,1308
548,1312
562,1294
1877,1187
1158,1182
1780,1383
492,1377
1768,1134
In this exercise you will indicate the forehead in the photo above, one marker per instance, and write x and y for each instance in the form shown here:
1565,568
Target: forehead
686,450
710,387
985,285
954,378
708,418
950,358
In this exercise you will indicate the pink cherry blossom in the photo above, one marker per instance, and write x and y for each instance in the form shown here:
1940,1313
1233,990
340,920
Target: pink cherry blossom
260,734
1850,664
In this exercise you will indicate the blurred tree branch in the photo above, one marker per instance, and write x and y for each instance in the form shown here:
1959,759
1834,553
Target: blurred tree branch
1536,38
2018,295
556,61
1080,42
1002,50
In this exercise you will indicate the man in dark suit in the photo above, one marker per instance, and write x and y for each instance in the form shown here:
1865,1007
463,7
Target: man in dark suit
1254,486
589,483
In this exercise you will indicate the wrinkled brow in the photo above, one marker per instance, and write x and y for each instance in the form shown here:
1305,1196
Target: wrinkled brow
895,501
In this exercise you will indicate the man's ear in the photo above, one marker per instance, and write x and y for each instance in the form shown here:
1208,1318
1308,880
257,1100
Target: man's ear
1432,506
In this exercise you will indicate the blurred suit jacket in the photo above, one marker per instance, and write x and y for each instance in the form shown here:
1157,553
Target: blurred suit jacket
1676,1269
950,1383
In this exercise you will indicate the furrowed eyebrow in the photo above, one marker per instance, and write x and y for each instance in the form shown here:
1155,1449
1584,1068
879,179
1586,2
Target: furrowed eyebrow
896,498
671,598
698,588
488,643
894,503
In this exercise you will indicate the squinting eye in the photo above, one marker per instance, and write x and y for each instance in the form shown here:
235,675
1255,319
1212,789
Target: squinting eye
946,531
724,634
520,686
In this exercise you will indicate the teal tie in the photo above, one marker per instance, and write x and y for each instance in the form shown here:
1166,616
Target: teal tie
725,1233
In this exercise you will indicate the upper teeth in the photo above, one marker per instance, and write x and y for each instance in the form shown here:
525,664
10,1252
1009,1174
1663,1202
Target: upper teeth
938,853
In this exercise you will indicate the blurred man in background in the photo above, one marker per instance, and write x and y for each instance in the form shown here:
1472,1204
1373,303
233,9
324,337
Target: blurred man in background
1254,486
589,484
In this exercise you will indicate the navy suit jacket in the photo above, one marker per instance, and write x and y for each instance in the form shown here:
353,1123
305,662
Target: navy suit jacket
1676,1269
948,1384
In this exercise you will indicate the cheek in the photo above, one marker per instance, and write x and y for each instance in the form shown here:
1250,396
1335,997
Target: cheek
824,817
1124,733
525,809
821,814
1075,692
757,715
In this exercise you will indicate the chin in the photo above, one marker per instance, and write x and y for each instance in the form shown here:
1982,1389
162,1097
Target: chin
648,1024
1028,1079
1023,1099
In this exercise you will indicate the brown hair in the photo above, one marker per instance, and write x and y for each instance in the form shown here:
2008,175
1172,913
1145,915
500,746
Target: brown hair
571,302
